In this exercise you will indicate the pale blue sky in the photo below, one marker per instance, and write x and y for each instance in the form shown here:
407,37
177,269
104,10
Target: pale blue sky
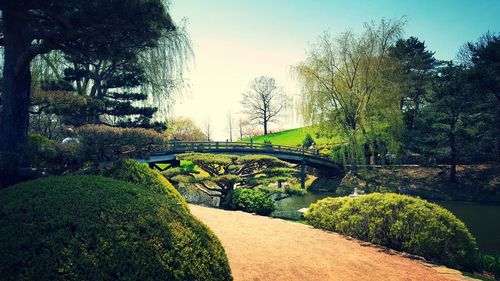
235,41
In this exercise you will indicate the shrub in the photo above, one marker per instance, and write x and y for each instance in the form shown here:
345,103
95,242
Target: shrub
95,228
59,158
267,143
400,222
139,173
489,264
106,143
296,191
308,141
249,200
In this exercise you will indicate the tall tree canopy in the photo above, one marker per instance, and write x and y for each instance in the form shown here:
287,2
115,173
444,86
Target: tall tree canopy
416,66
95,29
449,118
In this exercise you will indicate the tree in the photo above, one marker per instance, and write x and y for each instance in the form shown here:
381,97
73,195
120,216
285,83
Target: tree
98,28
416,68
113,81
230,171
229,118
184,129
264,101
483,59
345,85
207,129
448,119
242,124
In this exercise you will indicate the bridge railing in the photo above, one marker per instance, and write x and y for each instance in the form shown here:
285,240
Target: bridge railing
185,146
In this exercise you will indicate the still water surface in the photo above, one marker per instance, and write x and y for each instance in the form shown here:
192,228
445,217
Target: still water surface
482,219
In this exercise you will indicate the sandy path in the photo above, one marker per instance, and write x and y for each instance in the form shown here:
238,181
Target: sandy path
262,248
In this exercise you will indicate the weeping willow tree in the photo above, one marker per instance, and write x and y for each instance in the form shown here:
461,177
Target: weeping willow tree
165,67
346,89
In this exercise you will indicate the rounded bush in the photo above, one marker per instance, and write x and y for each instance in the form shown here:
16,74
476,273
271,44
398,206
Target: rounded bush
139,173
96,228
399,222
249,200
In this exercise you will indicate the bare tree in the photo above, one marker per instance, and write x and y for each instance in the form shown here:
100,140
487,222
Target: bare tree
229,117
264,101
242,123
207,127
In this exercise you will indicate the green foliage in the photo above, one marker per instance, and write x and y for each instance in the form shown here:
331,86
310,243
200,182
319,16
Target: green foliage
250,200
289,191
139,173
414,73
400,222
267,143
95,228
489,263
58,158
104,143
296,191
272,190
308,141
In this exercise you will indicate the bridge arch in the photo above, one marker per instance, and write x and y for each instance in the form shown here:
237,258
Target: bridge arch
304,157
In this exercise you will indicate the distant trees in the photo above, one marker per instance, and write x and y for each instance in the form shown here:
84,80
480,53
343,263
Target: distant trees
263,101
184,129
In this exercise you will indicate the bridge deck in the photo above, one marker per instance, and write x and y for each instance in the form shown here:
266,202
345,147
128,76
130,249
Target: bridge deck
310,157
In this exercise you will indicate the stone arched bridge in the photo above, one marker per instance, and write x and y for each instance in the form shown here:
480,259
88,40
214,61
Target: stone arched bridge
304,157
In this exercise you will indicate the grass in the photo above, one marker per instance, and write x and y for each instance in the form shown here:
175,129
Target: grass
292,137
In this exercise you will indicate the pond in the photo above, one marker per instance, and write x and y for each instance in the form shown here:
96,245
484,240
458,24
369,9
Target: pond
482,219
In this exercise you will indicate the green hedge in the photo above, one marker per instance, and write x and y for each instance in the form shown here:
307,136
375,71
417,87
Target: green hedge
399,222
249,200
96,228
139,173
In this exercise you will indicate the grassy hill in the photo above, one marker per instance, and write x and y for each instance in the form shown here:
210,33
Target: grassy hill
292,137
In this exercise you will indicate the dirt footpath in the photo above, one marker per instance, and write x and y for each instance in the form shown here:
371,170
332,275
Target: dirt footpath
266,249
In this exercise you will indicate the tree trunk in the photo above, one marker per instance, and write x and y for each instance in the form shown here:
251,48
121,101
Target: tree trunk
17,88
265,128
453,168
14,116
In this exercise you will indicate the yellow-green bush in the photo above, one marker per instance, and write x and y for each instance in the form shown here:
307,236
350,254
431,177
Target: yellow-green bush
96,228
399,222
139,173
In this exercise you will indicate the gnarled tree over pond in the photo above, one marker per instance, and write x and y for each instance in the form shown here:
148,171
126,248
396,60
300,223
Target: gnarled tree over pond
226,172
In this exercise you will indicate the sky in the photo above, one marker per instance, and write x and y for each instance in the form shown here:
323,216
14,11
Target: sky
235,41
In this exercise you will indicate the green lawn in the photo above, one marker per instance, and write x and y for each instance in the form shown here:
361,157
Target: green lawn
292,137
